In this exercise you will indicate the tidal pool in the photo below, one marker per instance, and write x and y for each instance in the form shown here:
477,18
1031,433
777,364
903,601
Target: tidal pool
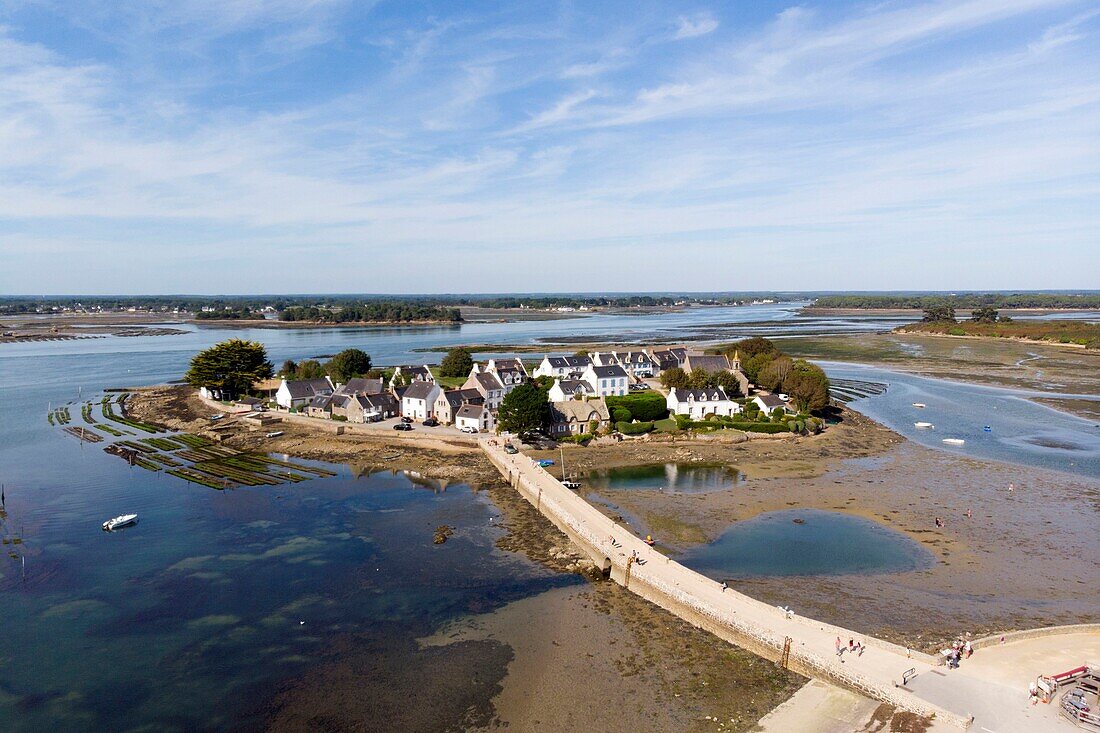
687,478
821,543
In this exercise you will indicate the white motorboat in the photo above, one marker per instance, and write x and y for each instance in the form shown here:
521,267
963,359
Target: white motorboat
275,434
920,405
123,520
925,425
954,441
571,485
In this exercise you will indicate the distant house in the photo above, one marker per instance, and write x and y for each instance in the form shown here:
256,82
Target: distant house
418,401
569,389
665,359
320,406
606,381
363,408
707,362
294,393
637,364
562,367
576,417
487,385
361,385
768,402
510,372
475,416
604,358
698,403
448,402
412,374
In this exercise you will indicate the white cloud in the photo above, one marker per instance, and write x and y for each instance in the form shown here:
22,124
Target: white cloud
699,25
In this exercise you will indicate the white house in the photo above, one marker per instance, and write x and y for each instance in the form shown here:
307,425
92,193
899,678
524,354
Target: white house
604,358
636,363
294,393
475,416
450,400
569,389
768,402
510,372
488,385
665,359
411,374
606,381
698,403
562,367
418,401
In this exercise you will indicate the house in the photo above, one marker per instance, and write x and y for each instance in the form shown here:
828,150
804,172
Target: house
707,362
362,408
361,385
561,367
475,416
768,402
249,404
412,374
320,406
569,389
698,403
606,381
213,393
448,402
487,384
666,359
295,393
418,401
510,372
604,358
637,364
576,417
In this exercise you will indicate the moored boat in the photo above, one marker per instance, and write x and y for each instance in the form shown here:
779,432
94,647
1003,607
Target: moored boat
954,441
919,404
923,425
123,520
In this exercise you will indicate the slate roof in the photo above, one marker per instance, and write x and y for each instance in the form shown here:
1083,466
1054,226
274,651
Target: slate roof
488,381
469,410
604,372
635,357
707,362
458,397
573,385
361,385
321,402
302,388
419,391
666,359
771,401
382,401
709,394
569,362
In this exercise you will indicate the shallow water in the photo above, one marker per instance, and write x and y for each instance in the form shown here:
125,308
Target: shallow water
824,543
686,478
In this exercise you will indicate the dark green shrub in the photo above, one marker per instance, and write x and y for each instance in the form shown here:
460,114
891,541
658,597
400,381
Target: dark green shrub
621,414
634,428
644,406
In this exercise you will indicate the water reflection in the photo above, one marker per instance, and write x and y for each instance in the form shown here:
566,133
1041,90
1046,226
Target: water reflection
687,478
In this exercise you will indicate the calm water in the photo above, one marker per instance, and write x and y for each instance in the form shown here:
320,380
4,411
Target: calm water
1021,431
826,543
195,614
687,478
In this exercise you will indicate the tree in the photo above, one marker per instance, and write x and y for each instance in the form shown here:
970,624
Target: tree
771,376
984,314
700,378
524,408
674,378
289,369
939,312
310,369
457,363
544,383
728,381
750,347
756,364
807,386
231,366
349,363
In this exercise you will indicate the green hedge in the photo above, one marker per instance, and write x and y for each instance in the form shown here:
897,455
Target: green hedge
621,414
645,406
634,428
579,439
769,428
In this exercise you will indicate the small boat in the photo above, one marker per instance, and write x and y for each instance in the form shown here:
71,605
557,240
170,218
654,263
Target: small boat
123,520
923,425
275,434
571,485
954,441
219,416
920,405
988,428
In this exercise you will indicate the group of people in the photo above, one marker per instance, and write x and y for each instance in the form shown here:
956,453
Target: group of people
854,647
959,650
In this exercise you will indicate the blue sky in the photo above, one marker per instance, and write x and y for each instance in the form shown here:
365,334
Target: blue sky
213,146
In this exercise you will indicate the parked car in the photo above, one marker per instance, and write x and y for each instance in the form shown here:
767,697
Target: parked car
431,422
402,426
511,449
406,418
469,429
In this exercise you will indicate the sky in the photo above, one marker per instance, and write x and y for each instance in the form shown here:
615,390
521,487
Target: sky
240,146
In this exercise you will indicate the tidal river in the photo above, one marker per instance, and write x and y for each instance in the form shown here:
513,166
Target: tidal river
195,617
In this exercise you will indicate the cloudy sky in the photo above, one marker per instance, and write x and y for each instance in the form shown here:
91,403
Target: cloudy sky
214,146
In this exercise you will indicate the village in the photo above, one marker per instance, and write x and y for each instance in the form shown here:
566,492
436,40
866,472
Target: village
584,394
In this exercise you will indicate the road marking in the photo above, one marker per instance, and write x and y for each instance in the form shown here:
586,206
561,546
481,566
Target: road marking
988,730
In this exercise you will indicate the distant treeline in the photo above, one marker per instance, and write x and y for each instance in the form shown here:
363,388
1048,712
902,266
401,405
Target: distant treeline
964,301
233,314
371,312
